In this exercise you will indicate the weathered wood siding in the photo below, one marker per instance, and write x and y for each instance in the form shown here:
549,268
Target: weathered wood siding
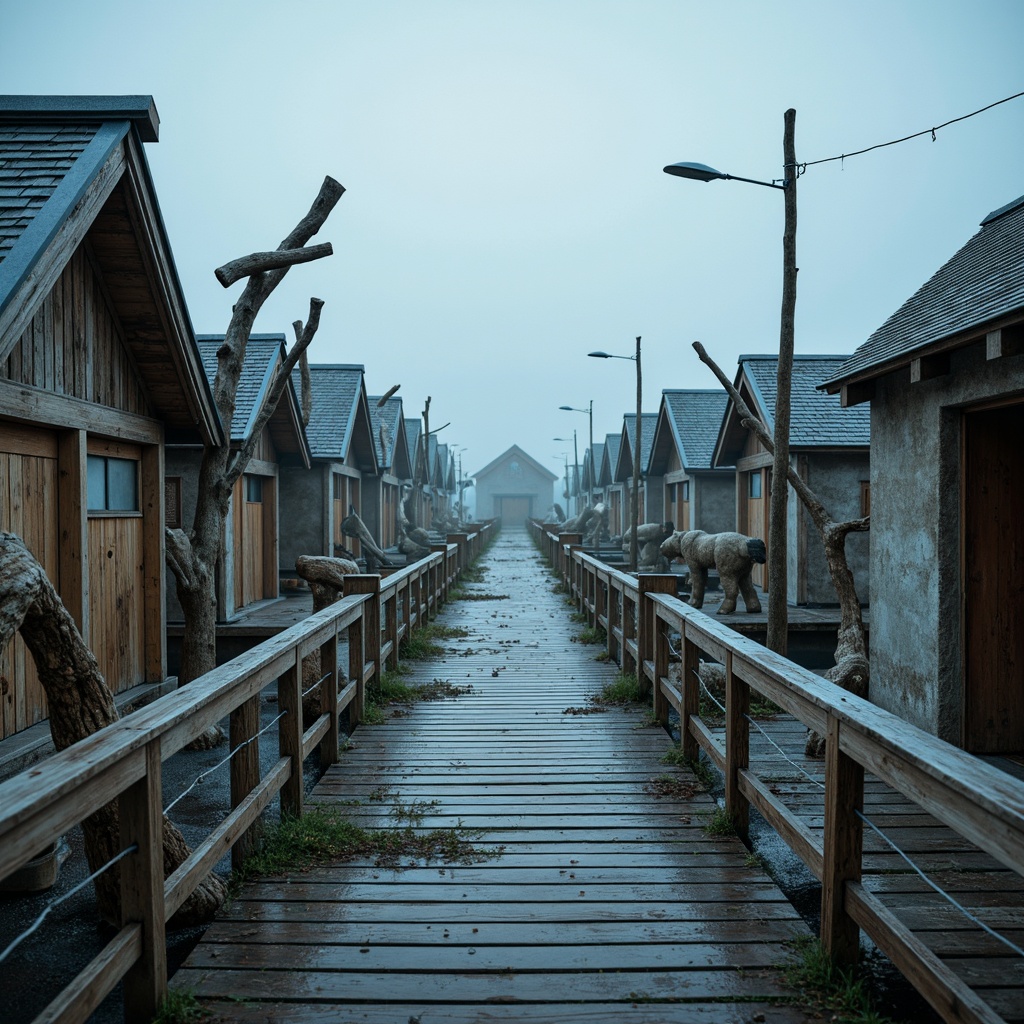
74,346
28,507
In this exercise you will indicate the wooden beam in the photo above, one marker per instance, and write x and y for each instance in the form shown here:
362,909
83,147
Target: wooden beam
1009,341
854,394
929,367
72,527
44,408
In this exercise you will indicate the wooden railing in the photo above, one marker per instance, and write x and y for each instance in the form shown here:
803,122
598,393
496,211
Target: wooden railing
123,762
645,623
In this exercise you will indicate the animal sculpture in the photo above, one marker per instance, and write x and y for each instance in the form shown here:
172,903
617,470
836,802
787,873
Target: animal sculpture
733,554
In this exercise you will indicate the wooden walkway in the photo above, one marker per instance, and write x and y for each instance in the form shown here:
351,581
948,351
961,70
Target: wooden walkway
608,902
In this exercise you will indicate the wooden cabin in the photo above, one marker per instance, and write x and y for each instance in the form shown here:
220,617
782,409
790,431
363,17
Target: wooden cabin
651,509
98,368
420,502
613,491
316,499
514,487
829,448
697,495
248,572
395,469
944,376
591,471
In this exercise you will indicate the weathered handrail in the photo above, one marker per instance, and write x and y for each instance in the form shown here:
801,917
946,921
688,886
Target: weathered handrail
123,762
976,800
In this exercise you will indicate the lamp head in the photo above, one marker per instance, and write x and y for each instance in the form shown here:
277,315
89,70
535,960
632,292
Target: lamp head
698,172
599,355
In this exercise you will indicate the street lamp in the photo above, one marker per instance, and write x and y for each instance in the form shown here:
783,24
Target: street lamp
635,510
589,412
575,466
777,638
462,508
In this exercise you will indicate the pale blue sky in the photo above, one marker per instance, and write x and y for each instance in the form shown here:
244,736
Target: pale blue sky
506,209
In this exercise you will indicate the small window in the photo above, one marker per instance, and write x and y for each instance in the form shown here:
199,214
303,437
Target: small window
686,490
671,492
865,498
338,495
172,502
112,484
755,485
254,489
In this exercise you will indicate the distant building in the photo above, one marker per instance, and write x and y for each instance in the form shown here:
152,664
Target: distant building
515,486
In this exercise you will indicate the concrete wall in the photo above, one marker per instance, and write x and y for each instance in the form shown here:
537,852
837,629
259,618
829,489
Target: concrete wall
836,479
304,508
653,508
915,536
713,501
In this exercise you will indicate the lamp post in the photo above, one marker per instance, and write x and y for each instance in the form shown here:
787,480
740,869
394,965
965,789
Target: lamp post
462,509
575,467
589,412
634,513
777,638
565,474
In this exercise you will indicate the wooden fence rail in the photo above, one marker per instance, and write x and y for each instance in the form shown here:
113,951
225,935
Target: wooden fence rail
647,626
123,762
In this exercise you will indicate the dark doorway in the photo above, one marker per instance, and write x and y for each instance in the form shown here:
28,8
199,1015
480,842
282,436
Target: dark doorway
993,580
514,509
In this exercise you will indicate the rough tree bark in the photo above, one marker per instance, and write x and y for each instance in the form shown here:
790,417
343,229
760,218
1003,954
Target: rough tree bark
193,557
80,703
326,579
851,670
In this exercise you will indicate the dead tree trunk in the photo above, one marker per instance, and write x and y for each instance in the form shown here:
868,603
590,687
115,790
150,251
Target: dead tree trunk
326,579
193,557
851,670
80,703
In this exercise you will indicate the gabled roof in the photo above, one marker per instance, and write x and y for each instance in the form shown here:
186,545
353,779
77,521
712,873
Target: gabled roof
688,422
592,465
624,465
609,459
339,421
73,167
392,442
517,452
817,420
972,293
263,354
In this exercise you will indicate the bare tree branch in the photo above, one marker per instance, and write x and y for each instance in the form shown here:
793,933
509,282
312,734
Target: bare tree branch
261,262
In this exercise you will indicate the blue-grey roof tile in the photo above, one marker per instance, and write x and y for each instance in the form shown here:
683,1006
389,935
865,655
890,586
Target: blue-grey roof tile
696,418
261,355
335,392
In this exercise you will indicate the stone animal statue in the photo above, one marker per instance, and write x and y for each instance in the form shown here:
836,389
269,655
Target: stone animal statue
597,527
649,539
733,554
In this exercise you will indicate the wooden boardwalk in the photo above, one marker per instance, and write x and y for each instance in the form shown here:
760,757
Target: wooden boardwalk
608,901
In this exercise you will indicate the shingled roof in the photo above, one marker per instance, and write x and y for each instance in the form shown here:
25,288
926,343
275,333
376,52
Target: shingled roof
624,463
817,420
981,284
263,352
392,448
692,419
339,422
74,167
609,460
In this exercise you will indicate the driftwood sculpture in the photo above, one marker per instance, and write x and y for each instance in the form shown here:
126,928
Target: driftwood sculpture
733,554
80,703
353,526
326,579
649,537
597,527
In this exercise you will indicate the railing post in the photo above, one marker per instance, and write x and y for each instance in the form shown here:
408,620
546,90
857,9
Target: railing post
439,584
600,599
243,727
391,628
661,662
461,540
569,542
331,742
614,622
141,815
689,690
737,747
356,663
649,583
289,702
629,627
370,585
843,838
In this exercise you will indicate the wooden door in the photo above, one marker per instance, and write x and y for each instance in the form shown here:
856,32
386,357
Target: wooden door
513,510
249,540
28,507
992,559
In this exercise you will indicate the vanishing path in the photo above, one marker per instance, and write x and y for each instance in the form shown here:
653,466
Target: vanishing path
608,902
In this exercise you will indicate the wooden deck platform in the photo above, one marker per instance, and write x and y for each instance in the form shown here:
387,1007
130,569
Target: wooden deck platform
608,901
